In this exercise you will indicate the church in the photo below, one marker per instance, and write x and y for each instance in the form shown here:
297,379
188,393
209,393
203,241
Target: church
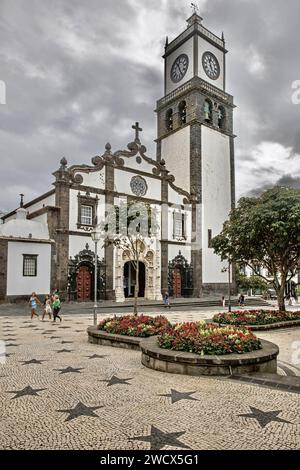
190,183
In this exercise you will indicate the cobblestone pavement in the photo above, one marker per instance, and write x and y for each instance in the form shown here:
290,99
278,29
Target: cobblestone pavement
57,391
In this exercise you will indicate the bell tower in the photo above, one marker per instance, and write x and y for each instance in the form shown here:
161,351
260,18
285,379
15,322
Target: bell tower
195,138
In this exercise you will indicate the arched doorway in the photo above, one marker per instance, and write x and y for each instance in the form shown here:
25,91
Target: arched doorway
84,284
129,279
80,283
180,277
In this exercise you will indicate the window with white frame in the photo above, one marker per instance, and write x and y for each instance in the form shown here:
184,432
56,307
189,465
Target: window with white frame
30,265
86,216
178,225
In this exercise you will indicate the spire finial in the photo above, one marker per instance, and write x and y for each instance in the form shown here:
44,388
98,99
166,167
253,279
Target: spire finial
167,42
22,200
223,37
194,8
195,18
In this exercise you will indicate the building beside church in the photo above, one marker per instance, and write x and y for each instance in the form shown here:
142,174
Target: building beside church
25,257
190,183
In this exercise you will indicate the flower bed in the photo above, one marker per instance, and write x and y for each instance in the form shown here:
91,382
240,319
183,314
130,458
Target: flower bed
206,339
255,317
134,325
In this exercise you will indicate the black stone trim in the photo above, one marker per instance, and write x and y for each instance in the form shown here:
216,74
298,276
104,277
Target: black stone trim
195,32
192,122
196,52
232,171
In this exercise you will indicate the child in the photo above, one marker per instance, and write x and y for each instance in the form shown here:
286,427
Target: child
166,299
56,308
33,303
47,307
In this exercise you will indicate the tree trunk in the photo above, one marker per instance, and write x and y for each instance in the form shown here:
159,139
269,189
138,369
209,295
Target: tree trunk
281,297
136,289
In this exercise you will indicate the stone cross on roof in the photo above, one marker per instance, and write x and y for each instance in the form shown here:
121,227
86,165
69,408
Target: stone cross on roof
137,131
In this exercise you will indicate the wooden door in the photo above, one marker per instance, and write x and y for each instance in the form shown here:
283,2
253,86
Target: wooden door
176,283
84,284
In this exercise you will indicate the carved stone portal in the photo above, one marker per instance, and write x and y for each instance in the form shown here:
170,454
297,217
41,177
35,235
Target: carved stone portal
150,275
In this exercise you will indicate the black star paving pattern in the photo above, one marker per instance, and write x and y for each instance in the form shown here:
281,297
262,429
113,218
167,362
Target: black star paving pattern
26,391
158,439
66,342
264,417
33,361
29,326
175,396
95,356
81,410
64,351
116,380
70,369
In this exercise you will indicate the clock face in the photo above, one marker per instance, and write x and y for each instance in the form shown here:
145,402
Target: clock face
211,65
138,186
179,68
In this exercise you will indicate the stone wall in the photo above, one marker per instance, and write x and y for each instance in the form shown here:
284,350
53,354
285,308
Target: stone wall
3,269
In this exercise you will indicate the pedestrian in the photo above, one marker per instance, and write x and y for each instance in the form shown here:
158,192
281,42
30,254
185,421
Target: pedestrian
223,301
56,305
47,307
242,300
33,304
166,299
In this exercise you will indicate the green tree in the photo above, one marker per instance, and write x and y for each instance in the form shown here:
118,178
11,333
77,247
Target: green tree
127,226
265,231
251,283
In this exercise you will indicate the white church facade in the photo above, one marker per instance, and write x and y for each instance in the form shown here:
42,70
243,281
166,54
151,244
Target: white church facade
190,184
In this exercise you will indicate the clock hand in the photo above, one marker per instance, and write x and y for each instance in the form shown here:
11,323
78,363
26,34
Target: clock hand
178,68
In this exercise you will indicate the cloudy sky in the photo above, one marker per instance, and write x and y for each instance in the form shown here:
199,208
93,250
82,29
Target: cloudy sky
79,73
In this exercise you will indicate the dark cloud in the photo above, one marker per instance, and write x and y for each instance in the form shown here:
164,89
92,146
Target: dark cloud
78,74
287,181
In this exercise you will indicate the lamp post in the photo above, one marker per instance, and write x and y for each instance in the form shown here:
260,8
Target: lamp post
229,286
96,236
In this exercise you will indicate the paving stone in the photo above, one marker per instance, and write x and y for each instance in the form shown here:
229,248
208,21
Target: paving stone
51,400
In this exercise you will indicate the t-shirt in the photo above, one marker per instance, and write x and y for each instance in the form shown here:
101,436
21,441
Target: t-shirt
33,302
56,303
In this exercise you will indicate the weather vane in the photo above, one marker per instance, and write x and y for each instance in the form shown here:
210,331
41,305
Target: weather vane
195,8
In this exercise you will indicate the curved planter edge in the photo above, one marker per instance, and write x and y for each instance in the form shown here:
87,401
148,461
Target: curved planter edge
269,326
118,341
175,362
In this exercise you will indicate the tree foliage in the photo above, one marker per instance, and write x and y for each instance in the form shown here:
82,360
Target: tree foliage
265,231
127,226
252,283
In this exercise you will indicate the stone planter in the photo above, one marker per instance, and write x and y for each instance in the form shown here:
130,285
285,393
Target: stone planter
270,326
117,341
176,362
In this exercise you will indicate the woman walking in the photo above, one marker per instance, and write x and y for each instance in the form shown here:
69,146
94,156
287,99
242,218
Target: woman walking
33,304
56,308
47,307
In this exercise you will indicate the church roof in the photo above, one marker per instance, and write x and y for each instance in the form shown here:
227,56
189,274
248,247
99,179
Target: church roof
21,227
